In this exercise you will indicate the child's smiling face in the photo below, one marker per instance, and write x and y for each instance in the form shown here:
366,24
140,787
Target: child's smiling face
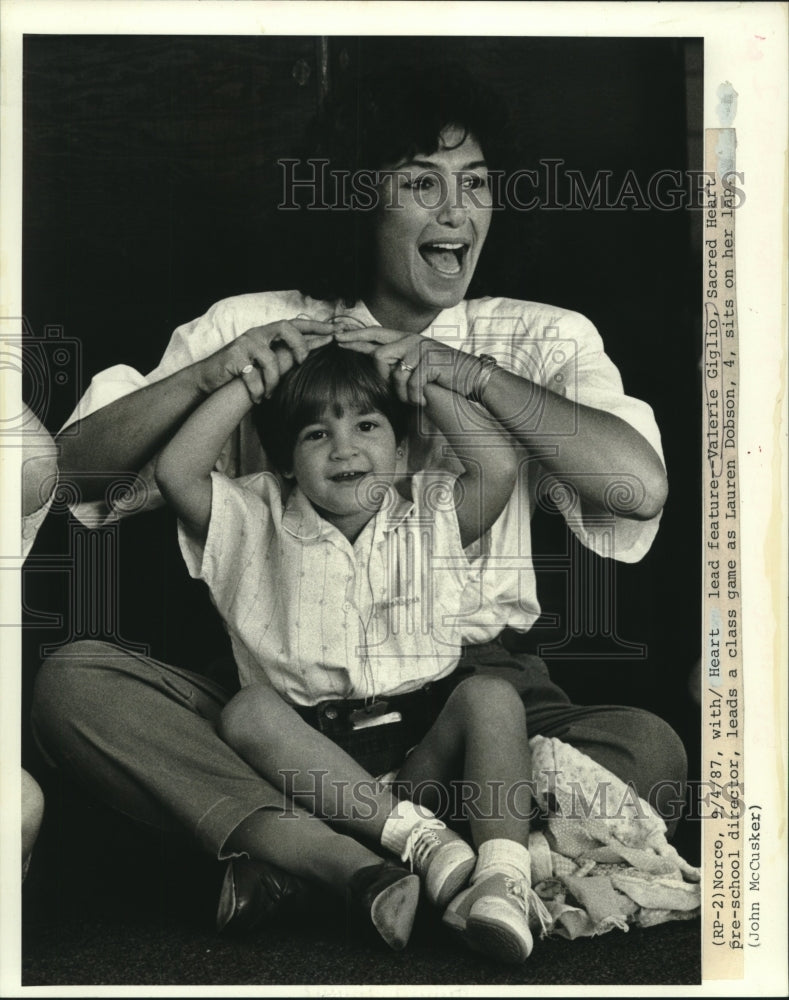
337,458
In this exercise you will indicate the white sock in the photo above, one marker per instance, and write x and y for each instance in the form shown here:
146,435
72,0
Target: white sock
399,824
506,856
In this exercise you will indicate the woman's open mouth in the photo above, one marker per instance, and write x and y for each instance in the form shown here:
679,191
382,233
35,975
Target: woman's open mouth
446,257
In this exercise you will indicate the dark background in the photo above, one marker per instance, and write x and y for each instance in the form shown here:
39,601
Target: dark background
150,192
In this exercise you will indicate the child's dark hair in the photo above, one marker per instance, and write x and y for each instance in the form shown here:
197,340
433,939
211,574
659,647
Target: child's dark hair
330,378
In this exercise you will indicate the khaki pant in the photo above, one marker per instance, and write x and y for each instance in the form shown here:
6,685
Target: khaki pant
141,736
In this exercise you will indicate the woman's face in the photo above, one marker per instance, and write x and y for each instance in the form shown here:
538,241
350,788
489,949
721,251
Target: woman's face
429,232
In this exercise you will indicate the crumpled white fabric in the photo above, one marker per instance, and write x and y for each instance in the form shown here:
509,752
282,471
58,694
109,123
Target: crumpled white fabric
603,861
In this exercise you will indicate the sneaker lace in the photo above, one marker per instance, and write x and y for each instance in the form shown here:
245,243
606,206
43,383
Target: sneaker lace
421,843
531,904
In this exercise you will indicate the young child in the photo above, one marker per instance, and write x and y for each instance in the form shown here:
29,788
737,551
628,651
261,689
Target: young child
343,585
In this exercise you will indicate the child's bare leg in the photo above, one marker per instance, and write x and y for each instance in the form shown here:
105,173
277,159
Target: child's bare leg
315,772
273,739
481,736
481,733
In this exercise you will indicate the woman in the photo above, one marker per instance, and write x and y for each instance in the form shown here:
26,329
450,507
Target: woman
399,276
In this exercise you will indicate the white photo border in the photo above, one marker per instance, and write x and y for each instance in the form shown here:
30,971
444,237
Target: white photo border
744,44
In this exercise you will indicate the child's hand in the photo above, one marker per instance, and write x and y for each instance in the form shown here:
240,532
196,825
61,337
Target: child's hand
271,350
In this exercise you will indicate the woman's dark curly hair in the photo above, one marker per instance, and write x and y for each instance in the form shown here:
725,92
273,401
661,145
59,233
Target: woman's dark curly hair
376,122
330,378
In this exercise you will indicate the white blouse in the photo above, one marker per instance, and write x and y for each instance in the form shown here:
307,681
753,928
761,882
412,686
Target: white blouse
554,347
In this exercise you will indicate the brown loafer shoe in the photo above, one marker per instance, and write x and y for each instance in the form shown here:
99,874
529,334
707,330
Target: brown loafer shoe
254,893
387,895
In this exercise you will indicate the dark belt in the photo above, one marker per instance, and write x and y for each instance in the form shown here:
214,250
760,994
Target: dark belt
380,746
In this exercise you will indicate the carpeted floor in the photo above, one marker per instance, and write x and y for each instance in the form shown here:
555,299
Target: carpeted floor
130,909
132,949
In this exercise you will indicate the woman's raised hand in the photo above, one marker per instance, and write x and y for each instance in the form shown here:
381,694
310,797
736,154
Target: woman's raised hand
262,355
410,360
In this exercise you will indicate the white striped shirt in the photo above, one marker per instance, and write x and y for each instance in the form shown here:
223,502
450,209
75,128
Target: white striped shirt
320,617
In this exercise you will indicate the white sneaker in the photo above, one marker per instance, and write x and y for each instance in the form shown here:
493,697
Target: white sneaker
493,915
442,859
